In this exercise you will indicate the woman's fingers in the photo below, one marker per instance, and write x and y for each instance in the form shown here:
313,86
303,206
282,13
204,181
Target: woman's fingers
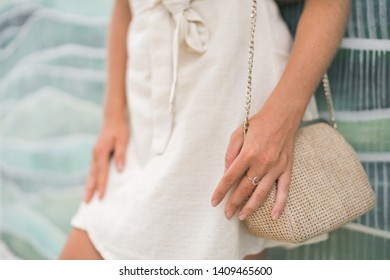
99,169
120,152
112,142
91,184
244,190
229,179
258,196
234,148
102,169
283,186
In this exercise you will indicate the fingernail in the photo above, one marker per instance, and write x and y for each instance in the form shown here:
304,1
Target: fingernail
275,215
86,196
229,214
225,170
214,202
242,216
120,166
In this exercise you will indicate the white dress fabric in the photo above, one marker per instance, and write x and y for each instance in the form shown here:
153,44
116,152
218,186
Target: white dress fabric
186,84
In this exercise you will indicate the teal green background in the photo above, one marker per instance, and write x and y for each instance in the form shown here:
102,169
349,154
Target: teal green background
52,79
360,82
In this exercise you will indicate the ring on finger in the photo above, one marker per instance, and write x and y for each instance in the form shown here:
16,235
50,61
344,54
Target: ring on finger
255,180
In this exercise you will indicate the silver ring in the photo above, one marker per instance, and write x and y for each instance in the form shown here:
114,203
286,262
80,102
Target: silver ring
254,180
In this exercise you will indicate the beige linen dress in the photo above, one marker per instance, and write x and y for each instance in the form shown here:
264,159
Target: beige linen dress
186,84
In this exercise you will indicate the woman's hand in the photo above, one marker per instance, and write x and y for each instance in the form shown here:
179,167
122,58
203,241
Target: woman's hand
267,154
114,135
112,140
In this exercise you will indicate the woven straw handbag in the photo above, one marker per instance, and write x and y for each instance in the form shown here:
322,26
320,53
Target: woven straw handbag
329,186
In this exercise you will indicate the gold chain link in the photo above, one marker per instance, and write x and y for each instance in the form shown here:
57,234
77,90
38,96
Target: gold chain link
248,95
329,100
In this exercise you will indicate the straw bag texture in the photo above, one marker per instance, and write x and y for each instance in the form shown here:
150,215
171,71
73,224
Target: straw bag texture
328,188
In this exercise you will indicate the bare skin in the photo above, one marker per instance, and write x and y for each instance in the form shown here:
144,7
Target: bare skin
79,247
260,256
268,148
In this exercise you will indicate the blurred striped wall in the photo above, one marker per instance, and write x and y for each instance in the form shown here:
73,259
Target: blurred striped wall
360,81
52,78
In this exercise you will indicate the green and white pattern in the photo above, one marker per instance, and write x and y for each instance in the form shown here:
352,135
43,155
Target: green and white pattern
360,83
52,79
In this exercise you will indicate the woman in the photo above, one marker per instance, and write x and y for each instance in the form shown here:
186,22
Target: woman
170,112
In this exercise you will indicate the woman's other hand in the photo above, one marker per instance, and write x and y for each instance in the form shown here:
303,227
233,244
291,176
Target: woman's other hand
112,141
114,135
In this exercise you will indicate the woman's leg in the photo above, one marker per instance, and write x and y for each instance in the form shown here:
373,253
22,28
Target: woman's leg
260,256
79,247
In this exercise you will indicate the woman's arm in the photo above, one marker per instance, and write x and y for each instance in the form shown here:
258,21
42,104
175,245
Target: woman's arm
115,104
267,152
114,134
319,32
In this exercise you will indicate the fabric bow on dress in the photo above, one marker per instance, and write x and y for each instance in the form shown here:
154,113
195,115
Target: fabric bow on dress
171,24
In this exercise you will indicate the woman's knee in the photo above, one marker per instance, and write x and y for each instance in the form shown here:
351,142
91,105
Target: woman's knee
79,247
260,256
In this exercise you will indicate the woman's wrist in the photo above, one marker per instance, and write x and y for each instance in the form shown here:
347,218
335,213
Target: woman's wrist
115,111
287,109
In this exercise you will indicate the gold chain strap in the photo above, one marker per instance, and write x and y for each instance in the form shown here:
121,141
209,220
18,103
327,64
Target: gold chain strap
248,95
329,100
